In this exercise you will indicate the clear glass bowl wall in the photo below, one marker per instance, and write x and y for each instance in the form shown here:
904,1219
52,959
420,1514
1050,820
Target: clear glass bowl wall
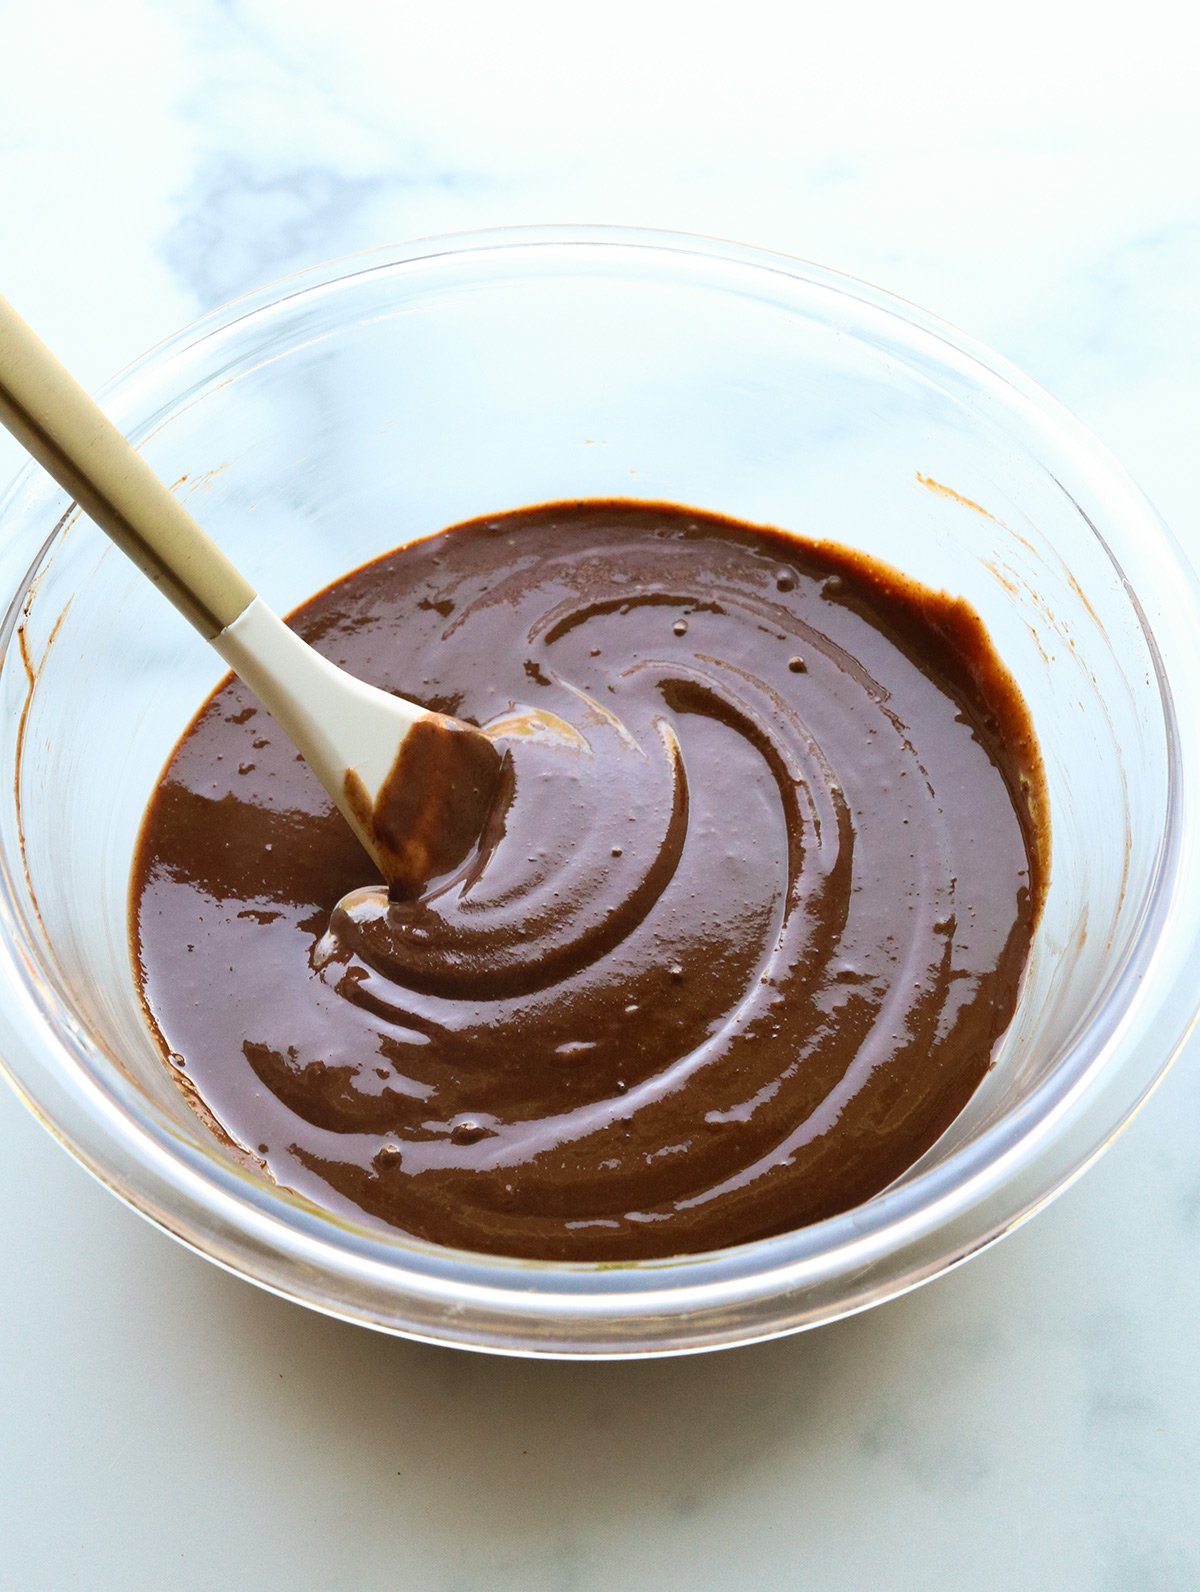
339,415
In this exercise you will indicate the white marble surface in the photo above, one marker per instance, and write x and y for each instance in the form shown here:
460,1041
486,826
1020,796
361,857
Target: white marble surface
1032,1421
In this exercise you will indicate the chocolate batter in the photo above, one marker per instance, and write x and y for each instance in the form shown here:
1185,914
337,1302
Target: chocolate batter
746,919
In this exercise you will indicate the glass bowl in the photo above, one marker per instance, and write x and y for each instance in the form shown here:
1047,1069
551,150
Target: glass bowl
331,417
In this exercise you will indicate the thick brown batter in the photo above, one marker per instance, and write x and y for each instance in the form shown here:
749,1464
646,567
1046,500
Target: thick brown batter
743,928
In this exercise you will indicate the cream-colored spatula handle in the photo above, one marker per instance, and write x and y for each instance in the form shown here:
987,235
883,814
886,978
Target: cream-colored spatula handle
52,416
416,804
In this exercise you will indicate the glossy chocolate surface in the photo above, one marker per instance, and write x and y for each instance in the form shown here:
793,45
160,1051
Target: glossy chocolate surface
745,922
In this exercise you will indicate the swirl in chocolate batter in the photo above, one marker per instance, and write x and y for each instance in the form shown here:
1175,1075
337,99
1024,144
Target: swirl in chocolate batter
744,924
